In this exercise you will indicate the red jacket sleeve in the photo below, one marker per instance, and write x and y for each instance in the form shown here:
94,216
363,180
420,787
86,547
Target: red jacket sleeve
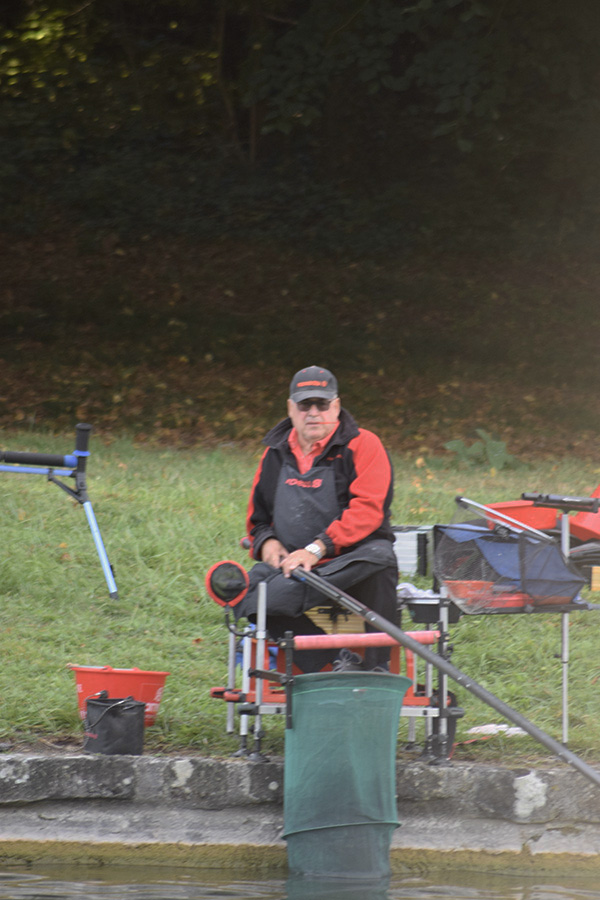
370,493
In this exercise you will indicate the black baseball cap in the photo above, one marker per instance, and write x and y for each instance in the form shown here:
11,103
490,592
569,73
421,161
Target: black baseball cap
313,381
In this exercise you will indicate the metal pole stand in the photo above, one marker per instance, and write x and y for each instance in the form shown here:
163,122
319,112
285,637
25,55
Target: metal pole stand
440,744
565,543
256,709
565,505
70,466
261,638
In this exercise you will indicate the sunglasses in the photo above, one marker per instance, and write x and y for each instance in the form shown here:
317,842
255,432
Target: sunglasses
319,402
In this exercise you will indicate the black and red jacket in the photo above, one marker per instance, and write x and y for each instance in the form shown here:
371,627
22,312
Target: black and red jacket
353,475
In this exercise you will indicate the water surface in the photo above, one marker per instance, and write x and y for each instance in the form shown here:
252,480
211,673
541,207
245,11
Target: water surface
115,883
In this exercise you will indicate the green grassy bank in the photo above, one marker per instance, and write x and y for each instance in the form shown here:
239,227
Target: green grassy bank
166,516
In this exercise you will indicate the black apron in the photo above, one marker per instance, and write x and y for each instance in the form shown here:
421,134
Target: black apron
304,505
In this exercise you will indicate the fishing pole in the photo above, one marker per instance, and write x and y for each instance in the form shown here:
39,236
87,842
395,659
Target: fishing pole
355,606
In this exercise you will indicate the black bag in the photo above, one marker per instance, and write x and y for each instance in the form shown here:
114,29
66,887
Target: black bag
114,726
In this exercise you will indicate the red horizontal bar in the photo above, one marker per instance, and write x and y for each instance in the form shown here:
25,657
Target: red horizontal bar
364,639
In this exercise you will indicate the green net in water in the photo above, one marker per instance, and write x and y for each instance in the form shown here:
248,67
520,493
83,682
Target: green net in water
340,773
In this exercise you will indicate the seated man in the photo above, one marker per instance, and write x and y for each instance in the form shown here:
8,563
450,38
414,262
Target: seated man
321,497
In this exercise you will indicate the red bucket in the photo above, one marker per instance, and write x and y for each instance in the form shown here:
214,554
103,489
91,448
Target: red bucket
147,687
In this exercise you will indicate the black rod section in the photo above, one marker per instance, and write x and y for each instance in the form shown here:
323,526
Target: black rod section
32,459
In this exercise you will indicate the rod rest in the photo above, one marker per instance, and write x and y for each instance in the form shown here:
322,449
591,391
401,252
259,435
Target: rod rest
557,501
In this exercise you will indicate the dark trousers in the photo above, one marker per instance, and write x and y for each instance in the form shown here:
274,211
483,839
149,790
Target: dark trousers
377,591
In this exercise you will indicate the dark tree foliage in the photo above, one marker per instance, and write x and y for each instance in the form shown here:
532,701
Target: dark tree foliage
361,89
468,68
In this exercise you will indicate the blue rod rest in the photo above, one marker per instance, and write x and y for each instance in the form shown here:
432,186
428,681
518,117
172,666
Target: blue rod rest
70,466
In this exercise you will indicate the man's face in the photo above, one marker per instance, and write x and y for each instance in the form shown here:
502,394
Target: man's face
312,423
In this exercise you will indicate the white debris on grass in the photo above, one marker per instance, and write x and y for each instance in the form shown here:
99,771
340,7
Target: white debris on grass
492,728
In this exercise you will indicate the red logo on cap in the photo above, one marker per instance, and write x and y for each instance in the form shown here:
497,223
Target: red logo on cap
311,384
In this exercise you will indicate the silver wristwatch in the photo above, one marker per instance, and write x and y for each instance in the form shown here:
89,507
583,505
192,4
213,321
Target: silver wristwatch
315,550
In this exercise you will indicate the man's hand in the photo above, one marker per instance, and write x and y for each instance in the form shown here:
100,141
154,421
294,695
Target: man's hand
273,552
300,558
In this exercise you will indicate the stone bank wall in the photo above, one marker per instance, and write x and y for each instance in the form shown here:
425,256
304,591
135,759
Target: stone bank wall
207,812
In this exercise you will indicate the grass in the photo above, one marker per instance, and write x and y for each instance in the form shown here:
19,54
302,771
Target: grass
166,515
